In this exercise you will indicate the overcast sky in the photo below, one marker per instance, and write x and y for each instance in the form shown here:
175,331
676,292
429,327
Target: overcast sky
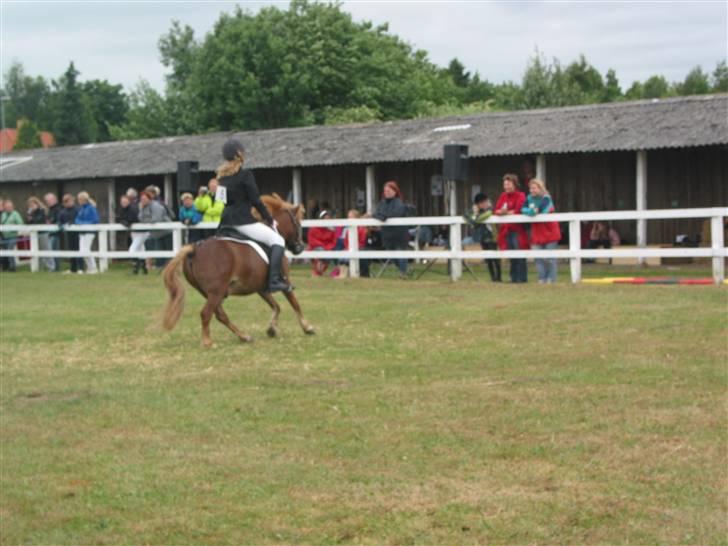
117,41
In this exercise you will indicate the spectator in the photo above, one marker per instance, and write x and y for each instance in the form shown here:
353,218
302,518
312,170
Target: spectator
9,217
599,236
190,216
483,233
614,238
128,215
133,197
373,242
512,236
394,237
87,215
54,237
37,215
361,236
152,212
210,207
544,235
67,217
321,238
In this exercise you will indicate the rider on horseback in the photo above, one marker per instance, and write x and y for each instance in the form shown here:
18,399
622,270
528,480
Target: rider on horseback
242,194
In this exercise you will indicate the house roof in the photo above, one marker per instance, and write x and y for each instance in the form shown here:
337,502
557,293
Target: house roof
9,137
639,125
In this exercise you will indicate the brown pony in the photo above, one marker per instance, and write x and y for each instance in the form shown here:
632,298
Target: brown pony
218,268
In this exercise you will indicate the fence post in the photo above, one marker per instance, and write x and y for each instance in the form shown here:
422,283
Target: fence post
717,243
103,249
34,246
575,246
177,239
353,236
456,245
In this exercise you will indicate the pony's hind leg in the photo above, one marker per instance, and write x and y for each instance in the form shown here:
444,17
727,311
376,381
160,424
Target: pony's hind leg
272,330
211,305
222,317
305,325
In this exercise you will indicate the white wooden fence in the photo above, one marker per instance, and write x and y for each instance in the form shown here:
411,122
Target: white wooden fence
455,254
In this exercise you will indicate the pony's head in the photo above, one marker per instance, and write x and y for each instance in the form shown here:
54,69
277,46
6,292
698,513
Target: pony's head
288,217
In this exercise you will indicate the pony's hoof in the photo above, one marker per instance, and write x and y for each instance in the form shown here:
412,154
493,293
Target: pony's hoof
246,339
271,331
309,331
207,344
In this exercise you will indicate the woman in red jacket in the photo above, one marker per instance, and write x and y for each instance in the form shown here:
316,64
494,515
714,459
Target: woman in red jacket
321,238
512,236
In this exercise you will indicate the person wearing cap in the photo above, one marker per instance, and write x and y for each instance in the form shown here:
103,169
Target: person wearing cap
483,233
242,195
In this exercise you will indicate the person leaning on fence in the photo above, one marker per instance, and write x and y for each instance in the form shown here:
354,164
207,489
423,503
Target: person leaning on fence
209,206
512,236
9,217
189,216
67,217
483,233
127,215
392,205
321,238
54,237
87,215
37,214
544,235
152,212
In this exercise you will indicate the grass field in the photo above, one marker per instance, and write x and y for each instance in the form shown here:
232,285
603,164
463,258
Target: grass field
421,413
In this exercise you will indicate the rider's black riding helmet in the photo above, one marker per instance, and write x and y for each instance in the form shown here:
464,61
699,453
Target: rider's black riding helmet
231,148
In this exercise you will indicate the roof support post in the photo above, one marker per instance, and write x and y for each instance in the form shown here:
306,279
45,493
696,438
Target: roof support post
111,194
641,201
169,198
540,168
296,182
371,190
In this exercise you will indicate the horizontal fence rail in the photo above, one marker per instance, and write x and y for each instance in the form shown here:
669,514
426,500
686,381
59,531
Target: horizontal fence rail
455,254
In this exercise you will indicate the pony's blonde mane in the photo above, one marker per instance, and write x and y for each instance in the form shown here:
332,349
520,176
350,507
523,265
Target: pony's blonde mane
275,203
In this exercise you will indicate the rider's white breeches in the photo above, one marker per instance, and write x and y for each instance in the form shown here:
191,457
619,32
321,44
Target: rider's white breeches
261,233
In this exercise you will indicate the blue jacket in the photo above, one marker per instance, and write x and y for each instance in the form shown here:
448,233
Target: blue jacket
538,205
87,214
190,215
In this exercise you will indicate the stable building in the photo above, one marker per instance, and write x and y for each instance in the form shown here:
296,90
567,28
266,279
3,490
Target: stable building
650,154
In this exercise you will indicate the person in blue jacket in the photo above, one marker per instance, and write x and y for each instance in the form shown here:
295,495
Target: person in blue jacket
190,216
87,215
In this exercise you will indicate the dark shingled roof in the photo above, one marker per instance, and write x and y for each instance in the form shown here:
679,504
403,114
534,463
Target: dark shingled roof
640,125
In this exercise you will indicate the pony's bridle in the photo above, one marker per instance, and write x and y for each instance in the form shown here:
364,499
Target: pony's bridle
298,246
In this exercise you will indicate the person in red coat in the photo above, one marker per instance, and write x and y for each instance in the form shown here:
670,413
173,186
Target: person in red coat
512,236
321,238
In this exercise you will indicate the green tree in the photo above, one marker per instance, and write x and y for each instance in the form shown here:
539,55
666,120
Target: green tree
612,91
635,92
457,72
28,97
583,83
107,104
719,83
655,87
695,83
74,123
28,135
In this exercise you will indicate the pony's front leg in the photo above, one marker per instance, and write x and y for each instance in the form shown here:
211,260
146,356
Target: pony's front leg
270,300
305,325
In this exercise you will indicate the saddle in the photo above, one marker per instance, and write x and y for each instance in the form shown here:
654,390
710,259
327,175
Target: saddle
231,234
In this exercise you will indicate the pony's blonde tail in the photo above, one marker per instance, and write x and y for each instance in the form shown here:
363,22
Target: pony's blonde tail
175,287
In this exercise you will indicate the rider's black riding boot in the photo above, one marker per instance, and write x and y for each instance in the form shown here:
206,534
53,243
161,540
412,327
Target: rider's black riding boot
276,281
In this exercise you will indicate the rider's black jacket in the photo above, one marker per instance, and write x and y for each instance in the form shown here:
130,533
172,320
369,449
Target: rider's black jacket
242,194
